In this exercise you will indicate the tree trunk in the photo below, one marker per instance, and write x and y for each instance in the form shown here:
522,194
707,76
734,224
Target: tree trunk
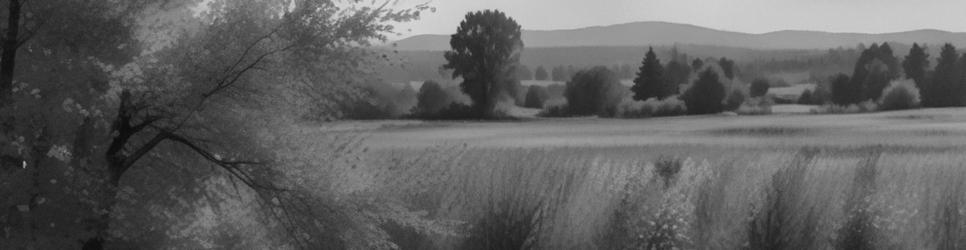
107,197
9,56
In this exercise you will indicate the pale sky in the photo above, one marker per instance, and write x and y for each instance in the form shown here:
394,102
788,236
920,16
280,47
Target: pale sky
751,16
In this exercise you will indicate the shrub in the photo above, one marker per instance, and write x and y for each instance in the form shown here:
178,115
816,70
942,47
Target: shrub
756,106
671,106
555,109
863,107
594,91
900,95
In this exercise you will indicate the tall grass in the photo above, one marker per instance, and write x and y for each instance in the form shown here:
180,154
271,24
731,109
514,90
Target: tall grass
882,197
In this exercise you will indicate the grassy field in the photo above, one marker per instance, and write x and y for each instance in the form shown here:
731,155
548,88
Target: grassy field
866,181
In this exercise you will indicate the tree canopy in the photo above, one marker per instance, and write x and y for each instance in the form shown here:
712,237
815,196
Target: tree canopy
706,95
650,81
485,51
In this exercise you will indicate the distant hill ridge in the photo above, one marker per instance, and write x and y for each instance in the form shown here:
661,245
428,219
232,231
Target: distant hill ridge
663,33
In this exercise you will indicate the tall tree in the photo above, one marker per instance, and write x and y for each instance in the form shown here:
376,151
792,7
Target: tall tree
915,65
486,47
728,67
541,74
946,88
650,81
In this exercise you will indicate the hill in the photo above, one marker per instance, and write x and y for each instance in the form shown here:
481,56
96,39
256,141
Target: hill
662,33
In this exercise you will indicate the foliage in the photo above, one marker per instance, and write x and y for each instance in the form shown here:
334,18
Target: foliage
536,97
843,91
650,81
863,107
756,106
916,64
901,94
706,95
671,106
541,74
431,99
805,98
727,67
876,67
595,91
759,87
735,99
486,51
160,90
947,87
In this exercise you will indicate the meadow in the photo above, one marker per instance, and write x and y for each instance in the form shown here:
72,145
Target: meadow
891,180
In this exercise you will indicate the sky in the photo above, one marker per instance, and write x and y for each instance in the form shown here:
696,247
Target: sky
750,16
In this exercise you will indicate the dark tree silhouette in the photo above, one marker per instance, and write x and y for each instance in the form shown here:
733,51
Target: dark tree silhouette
677,73
650,81
697,64
11,43
916,64
843,91
536,97
876,67
706,95
728,67
946,88
541,74
593,91
486,50
431,99
759,87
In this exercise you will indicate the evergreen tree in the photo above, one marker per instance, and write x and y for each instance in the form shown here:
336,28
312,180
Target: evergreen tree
650,81
916,64
946,87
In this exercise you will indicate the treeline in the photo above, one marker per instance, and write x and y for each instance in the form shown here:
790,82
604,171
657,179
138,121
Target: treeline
675,88
881,80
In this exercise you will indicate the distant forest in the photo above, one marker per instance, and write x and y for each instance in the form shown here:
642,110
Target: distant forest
419,66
